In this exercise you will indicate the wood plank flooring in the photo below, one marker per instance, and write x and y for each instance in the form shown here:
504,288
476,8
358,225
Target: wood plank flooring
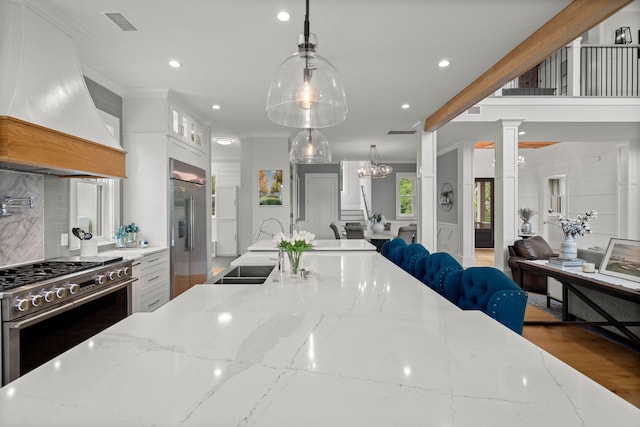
606,361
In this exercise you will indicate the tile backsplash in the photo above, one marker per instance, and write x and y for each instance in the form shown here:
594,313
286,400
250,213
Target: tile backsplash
22,233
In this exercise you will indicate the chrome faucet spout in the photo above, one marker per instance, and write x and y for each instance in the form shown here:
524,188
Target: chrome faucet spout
260,231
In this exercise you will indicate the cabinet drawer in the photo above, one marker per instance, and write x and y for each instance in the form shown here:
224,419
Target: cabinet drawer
149,261
152,278
152,300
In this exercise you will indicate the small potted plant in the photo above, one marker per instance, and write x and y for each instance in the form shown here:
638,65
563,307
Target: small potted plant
525,216
377,222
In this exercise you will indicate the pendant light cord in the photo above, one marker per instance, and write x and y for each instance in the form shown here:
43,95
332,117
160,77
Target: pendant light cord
306,27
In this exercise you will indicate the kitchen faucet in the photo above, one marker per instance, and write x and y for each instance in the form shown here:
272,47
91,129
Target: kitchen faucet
15,202
260,231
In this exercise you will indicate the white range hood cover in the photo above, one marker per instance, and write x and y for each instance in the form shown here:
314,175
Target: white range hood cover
41,81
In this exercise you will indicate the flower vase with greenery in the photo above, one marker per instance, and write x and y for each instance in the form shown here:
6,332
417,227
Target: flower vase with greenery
525,216
377,222
571,227
294,246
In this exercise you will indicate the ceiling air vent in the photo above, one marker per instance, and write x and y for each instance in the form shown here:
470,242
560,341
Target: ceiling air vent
120,20
401,132
474,111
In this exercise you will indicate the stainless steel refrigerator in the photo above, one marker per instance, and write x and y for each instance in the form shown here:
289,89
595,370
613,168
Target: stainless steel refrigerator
188,226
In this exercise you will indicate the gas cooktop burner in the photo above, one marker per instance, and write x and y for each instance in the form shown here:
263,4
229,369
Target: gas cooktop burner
37,272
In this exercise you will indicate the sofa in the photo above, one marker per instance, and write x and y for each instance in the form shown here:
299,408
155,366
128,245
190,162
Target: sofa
531,248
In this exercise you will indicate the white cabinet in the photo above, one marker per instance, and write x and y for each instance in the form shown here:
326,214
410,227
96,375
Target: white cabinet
227,220
188,135
152,288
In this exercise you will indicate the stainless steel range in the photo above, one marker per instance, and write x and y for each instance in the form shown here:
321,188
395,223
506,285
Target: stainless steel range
51,306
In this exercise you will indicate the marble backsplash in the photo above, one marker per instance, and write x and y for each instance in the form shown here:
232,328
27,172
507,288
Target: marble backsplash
22,233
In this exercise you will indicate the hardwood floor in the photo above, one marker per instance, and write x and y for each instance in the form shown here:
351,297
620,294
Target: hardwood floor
611,364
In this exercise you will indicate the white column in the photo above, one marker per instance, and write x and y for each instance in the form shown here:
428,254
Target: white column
629,189
427,159
466,184
573,68
506,189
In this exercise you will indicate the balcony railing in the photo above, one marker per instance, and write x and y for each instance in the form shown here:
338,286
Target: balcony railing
607,71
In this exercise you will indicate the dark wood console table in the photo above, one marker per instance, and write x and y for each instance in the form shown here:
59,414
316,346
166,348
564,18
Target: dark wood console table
571,282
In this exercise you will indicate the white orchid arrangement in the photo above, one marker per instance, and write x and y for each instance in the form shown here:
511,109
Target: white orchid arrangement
299,241
572,227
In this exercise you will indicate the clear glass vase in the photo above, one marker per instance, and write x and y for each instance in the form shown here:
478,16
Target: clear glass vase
294,262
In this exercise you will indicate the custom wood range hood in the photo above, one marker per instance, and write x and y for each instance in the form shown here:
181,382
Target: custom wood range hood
48,122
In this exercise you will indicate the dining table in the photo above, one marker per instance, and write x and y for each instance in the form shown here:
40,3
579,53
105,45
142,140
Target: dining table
359,342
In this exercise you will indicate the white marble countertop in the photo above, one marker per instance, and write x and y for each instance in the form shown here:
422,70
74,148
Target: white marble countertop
132,253
360,343
319,245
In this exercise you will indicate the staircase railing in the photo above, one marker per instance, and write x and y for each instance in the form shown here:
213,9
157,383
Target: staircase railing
366,206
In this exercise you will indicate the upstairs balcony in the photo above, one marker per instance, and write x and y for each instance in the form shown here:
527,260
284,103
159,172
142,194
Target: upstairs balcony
581,70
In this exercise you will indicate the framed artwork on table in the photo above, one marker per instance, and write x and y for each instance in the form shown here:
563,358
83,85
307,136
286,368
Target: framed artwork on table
622,259
270,187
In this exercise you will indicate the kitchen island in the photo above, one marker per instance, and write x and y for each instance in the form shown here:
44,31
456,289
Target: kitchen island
359,343
318,245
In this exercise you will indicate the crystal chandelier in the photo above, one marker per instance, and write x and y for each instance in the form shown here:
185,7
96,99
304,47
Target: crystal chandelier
306,92
373,168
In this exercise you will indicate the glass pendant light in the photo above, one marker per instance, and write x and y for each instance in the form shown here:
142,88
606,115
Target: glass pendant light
373,168
306,91
310,146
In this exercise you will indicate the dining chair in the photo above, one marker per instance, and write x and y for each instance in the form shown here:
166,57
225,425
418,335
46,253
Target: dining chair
354,231
336,233
411,254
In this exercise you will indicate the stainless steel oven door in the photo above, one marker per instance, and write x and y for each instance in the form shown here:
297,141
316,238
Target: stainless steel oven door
33,340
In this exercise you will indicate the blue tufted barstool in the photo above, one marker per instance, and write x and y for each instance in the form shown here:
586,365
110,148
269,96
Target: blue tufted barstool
411,255
436,267
390,249
489,290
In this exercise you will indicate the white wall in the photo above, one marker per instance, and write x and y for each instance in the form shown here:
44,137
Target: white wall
269,152
351,197
592,183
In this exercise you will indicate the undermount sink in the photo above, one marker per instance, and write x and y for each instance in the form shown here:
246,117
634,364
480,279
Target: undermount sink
244,275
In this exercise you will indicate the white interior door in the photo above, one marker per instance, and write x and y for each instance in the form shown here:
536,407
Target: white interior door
321,203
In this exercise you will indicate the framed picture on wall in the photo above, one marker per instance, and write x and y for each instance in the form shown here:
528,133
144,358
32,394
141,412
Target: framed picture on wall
622,259
270,187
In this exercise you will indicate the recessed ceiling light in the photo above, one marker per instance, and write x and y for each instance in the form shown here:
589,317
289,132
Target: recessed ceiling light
216,107
283,16
175,64
223,141
521,132
405,106
443,63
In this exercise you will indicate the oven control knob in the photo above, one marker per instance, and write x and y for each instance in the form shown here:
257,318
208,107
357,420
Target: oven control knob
60,292
22,304
125,270
119,272
100,279
73,288
49,296
111,274
36,300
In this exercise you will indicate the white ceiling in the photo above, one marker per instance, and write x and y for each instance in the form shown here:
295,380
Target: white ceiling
386,52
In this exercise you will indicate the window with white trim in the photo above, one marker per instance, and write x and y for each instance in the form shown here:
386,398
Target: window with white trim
405,195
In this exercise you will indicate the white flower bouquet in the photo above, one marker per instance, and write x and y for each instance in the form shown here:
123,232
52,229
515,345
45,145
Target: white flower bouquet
573,226
294,246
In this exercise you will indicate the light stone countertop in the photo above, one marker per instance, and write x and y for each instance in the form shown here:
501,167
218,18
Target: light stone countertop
132,253
360,343
319,245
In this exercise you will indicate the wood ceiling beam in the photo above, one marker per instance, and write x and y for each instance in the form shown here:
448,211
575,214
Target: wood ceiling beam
572,21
